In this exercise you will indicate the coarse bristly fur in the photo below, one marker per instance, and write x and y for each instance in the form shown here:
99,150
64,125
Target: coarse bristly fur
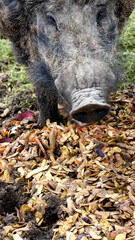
69,47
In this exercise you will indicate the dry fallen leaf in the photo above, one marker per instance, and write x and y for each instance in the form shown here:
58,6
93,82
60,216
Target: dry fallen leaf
121,236
5,113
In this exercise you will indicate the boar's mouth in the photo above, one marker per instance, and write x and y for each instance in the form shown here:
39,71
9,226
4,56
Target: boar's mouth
89,114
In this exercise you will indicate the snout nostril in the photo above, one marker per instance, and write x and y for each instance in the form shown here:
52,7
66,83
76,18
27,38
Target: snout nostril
90,115
101,112
79,116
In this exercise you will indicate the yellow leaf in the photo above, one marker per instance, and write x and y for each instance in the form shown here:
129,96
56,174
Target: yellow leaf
94,235
6,175
74,218
66,136
117,149
36,171
121,236
38,216
25,208
21,171
106,225
70,236
64,194
19,225
64,151
66,226
48,176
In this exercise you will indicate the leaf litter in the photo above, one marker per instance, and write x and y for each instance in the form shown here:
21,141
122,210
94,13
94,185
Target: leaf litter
78,183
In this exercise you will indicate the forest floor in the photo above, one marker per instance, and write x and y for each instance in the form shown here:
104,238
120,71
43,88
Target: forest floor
62,181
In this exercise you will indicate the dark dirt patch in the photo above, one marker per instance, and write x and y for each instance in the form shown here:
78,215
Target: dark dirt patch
53,209
52,215
11,198
3,86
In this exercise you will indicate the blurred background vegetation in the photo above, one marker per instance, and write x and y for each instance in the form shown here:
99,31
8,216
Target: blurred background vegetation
15,71
9,67
127,45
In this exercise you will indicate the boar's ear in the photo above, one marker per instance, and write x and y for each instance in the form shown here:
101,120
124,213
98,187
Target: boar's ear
122,11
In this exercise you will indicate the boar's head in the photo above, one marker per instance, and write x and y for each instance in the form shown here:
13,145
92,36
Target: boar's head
77,41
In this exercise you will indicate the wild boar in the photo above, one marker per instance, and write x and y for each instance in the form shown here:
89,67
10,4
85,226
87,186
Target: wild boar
69,47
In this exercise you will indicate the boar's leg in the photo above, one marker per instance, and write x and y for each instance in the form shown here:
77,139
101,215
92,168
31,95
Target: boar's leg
46,92
47,104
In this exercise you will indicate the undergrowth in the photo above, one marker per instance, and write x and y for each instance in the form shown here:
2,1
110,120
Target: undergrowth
9,67
127,44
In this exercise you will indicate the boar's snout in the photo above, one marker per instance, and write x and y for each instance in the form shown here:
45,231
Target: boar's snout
88,110
89,114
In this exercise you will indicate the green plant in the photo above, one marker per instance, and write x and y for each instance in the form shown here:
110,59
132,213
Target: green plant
9,67
127,43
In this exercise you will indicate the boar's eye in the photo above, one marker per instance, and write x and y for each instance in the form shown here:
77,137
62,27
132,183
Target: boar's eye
51,20
101,14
